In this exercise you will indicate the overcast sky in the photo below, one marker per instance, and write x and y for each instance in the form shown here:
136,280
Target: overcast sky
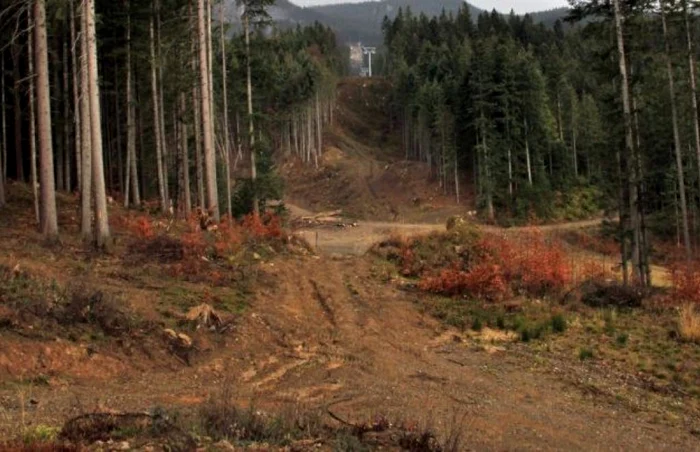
519,6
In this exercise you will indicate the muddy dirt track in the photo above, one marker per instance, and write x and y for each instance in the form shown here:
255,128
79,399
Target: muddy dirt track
355,238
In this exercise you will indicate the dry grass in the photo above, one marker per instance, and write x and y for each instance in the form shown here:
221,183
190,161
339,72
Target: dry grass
689,323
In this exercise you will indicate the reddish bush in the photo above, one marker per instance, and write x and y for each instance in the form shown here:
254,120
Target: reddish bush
484,281
530,263
497,265
685,277
227,239
144,228
139,226
267,226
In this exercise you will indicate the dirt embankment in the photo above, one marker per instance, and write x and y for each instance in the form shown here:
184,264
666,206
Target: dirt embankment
363,170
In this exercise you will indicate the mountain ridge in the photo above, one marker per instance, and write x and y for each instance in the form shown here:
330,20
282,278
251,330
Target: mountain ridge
361,22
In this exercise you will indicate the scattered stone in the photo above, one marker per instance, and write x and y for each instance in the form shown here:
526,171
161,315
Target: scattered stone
224,445
178,339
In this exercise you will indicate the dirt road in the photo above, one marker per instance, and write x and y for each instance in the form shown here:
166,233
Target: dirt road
355,238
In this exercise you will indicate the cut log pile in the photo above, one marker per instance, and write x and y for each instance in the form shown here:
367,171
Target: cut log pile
328,218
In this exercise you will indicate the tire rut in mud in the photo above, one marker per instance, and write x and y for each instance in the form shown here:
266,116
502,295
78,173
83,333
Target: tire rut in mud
323,302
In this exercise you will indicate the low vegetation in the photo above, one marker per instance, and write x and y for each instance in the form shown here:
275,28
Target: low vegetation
46,306
197,251
488,266
540,291
689,323
220,424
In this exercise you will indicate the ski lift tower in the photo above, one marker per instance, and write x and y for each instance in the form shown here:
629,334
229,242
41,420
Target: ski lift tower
369,51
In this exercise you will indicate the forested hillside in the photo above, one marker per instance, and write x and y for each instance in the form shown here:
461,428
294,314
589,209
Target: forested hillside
554,124
158,101
362,21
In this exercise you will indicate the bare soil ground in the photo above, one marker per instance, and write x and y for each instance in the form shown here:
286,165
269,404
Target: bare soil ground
321,330
362,170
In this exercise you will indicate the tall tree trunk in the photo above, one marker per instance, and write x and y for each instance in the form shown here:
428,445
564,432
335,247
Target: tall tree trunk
102,235
630,154
210,59
319,129
17,79
456,174
165,154
227,130
32,126
239,144
3,169
251,125
86,145
157,118
3,199
510,157
574,137
208,148
560,121
490,212
67,132
197,105
58,142
199,160
528,161
118,131
76,98
49,220
139,133
693,82
644,236
185,158
676,133
132,179
48,217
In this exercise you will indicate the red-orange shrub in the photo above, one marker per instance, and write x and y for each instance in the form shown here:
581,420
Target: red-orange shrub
685,277
497,265
530,263
484,281
267,226
227,239
140,226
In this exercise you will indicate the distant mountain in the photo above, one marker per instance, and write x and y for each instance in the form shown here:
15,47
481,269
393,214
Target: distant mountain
549,17
355,22
363,21
283,13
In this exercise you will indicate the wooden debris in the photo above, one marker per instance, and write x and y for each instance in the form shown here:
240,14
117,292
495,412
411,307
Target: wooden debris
204,315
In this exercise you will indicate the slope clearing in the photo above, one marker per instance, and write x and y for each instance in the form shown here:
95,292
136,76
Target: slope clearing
363,171
307,331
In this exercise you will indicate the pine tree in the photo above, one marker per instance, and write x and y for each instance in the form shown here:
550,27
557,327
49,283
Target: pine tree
49,220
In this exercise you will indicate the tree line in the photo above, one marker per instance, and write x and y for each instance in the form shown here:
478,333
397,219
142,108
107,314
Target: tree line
559,121
182,101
